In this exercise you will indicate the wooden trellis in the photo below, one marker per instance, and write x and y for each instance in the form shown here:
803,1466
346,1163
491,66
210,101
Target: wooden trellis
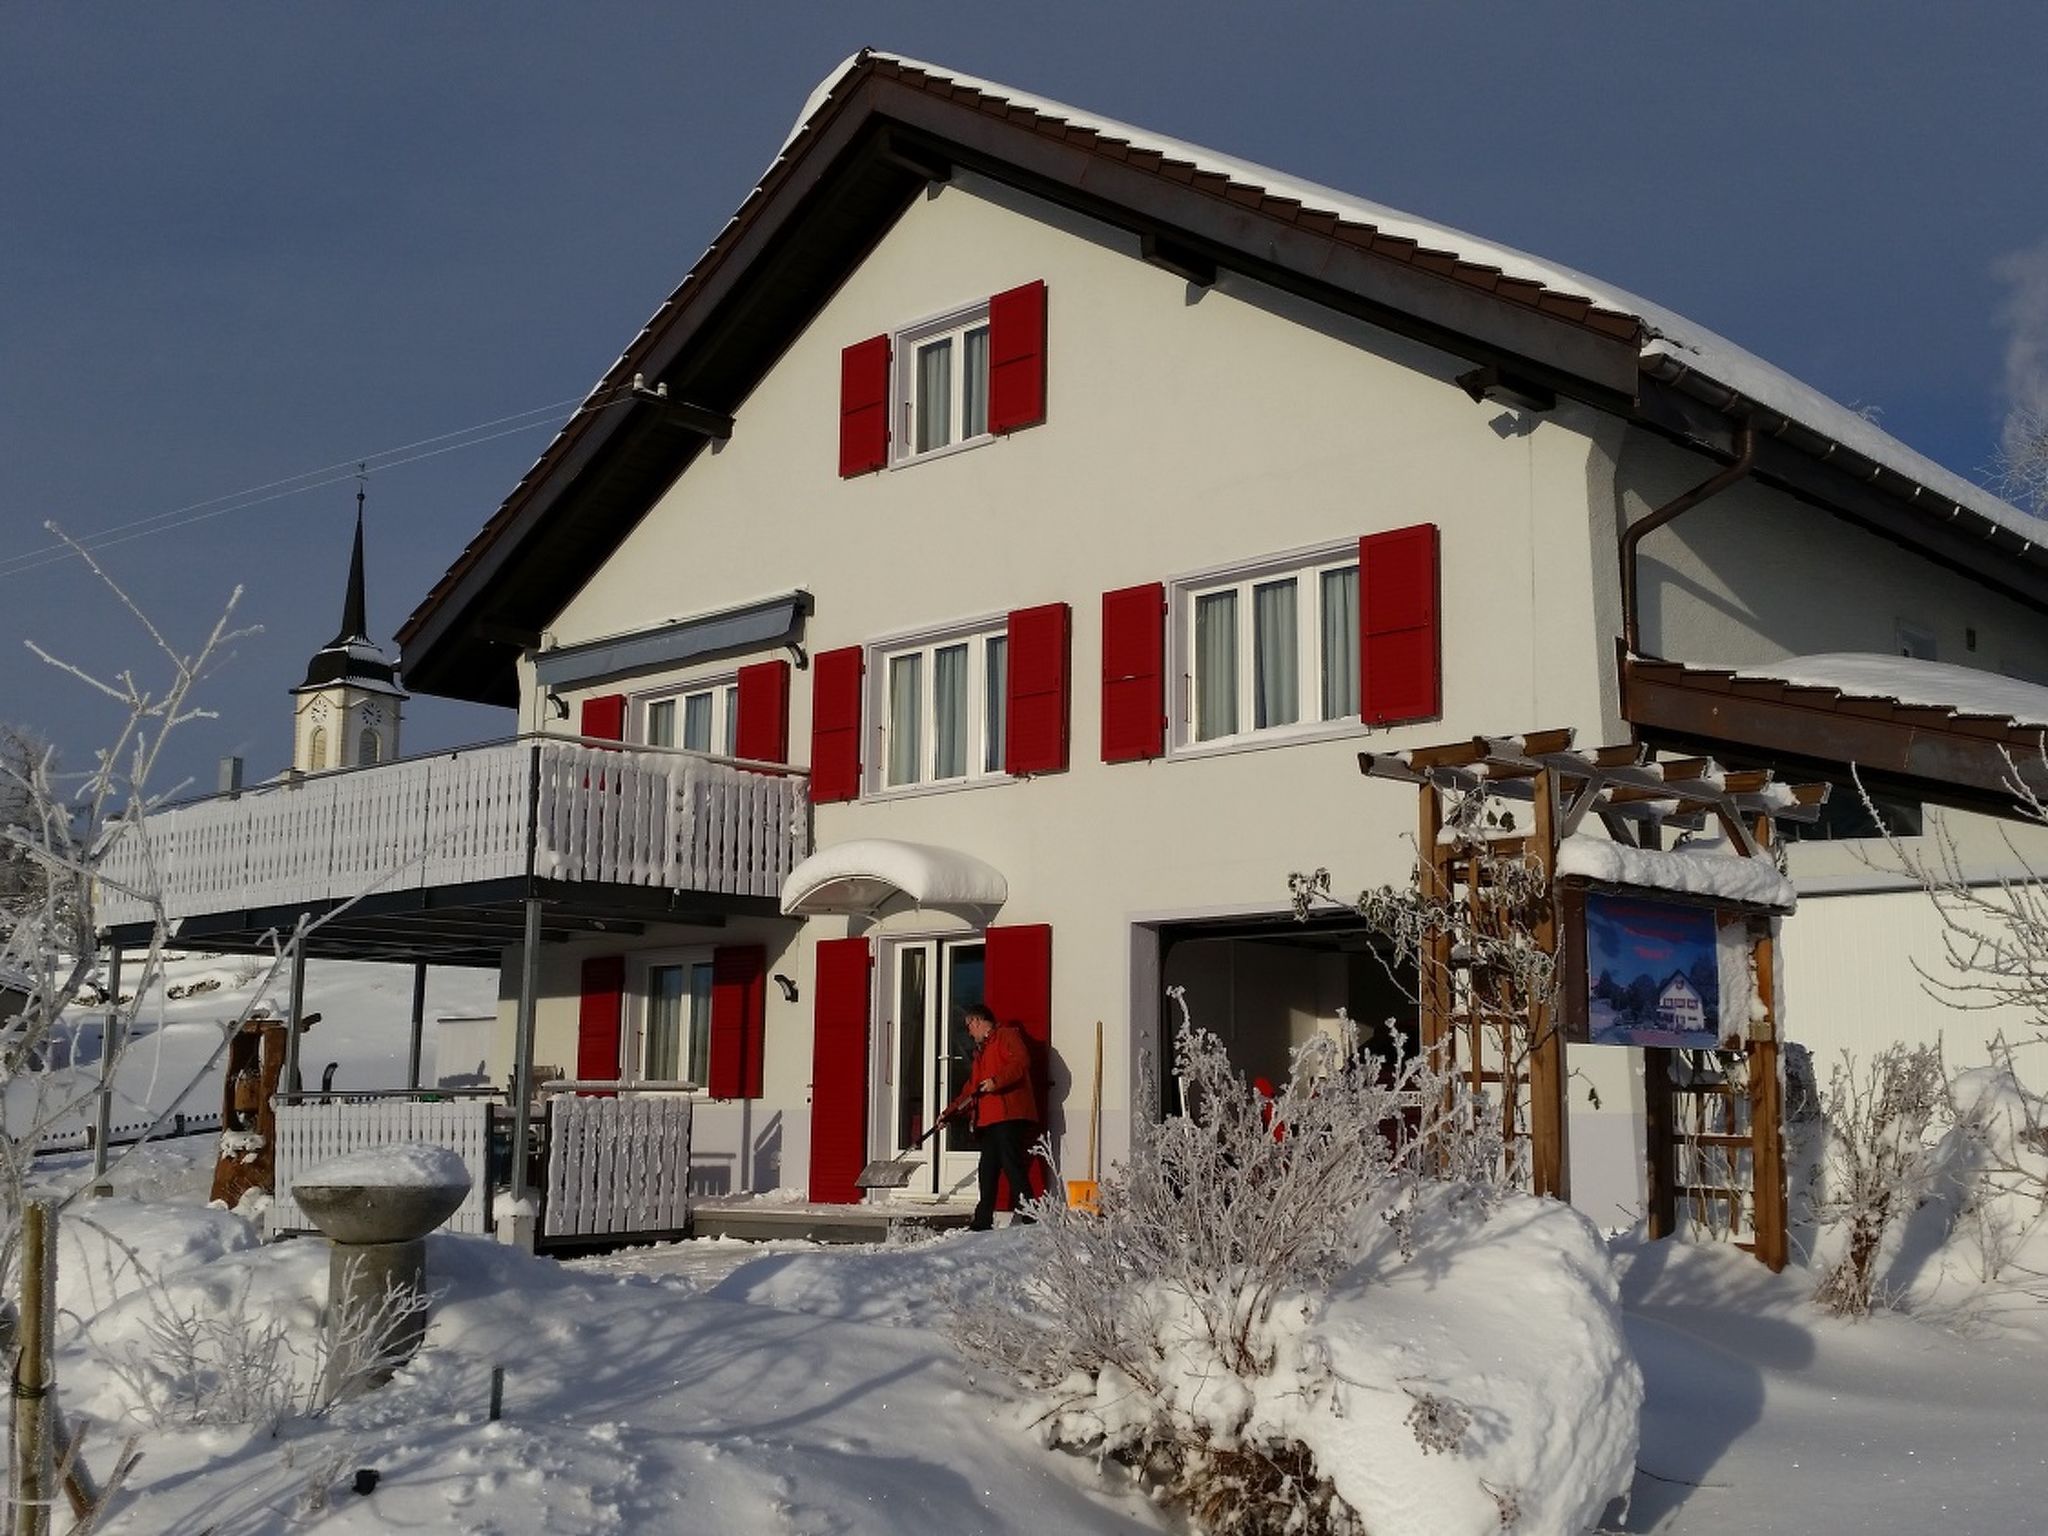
1493,815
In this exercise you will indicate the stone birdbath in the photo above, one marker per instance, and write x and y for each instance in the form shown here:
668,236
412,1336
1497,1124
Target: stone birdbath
376,1207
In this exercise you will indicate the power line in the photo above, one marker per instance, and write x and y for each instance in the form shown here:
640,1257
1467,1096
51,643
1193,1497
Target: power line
294,485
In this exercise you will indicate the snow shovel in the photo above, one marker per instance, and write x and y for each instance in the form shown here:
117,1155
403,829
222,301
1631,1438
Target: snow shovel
895,1172
1085,1194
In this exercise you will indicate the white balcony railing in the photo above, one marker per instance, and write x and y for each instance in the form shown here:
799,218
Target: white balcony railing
560,810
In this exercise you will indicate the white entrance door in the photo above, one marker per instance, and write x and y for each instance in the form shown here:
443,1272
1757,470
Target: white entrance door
932,984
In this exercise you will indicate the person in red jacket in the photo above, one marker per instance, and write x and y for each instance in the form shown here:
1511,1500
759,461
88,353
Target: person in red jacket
1005,1109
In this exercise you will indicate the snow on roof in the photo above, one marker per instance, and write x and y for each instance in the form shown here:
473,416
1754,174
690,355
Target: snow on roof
860,875
1668,334
1907,680
1705,868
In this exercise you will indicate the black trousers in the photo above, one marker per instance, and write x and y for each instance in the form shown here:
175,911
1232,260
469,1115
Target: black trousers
1004,1150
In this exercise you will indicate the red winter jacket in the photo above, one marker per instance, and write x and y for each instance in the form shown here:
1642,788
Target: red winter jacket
1004,1059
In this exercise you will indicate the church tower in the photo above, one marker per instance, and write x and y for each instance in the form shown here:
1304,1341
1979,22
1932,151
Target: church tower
345,714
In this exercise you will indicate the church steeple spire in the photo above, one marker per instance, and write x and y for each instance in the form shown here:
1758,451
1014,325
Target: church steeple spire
354,624
347,709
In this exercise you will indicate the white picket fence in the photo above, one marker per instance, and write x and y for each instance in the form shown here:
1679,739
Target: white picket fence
311,1134
666,819
617,1166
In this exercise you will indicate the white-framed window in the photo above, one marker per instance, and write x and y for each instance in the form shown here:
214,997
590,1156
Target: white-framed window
937,702
702,717
941,384
670,1038
1267,650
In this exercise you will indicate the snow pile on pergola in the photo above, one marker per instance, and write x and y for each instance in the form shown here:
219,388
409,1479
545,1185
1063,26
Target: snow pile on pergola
1909,680
859,876
1698,869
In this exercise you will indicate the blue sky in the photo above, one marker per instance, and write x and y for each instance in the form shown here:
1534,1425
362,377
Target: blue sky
239,242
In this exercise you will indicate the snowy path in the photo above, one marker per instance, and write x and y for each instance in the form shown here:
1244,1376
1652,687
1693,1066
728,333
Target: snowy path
1788,1420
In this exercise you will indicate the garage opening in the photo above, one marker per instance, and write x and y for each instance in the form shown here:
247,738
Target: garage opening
1264,984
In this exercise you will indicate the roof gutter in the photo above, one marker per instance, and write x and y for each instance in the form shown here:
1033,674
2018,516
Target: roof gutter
1634,534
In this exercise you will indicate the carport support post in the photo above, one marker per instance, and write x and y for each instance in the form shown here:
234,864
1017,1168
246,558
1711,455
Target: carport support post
103,1111
419,1021
521,1229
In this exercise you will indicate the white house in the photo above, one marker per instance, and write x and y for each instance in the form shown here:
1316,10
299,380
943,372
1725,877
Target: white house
1011,531
1679,1005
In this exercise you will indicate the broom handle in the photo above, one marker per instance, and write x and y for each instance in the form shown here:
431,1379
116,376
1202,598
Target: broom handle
1095,1103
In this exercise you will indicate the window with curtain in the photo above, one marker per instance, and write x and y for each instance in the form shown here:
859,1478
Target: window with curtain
942,383
675,1027
940,702
703,717
1270,649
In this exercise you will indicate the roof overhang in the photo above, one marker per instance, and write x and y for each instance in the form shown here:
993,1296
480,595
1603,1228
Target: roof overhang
1930,752
864,875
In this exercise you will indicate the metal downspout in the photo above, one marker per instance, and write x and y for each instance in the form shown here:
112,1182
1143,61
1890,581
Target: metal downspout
1633,535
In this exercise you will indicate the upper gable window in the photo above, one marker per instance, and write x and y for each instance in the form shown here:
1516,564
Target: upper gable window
942,384
953,381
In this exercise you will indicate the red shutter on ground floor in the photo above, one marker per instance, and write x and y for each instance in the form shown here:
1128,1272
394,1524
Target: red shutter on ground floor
835,725
1036,706
864,406
762,731
1016,358
739,1012
598,1018
1133,673
1017,985
1399,648
604,717
839,1070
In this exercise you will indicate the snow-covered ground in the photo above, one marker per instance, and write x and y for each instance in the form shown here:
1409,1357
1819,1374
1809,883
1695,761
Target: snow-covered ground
722,1387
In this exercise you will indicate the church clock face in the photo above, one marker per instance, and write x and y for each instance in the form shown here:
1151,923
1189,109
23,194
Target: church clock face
319,710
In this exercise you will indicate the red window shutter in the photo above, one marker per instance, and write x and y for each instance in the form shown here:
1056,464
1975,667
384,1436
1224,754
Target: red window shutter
1399,650
598,1018
864,406
762,733
604,717
1035,728
739,1012
1134,673
835,725
1017,986
839,1070
1016,358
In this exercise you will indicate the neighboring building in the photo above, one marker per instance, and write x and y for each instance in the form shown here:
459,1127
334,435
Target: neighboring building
1680,1007
346,713
1071,506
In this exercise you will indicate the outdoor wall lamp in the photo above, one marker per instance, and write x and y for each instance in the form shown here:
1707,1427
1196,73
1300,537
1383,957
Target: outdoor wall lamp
788,987
558,706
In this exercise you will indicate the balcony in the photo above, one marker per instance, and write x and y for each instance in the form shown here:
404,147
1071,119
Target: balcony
429,858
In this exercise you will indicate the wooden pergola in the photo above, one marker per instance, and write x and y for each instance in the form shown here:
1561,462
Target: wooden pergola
1493,816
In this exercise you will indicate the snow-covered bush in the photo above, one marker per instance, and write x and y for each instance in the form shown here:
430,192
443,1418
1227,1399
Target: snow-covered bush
1216,1326
1880,1161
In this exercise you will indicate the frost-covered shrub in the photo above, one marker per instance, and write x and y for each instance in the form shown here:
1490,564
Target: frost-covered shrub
1880,1161
1201,1327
